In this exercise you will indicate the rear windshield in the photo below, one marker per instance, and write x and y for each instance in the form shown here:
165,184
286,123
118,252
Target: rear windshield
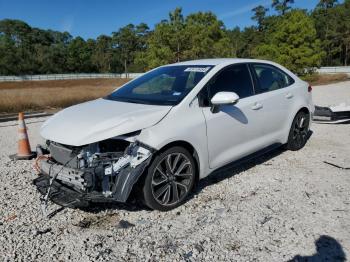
166,85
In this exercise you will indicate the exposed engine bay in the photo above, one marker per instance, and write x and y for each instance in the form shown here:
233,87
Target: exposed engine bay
104,171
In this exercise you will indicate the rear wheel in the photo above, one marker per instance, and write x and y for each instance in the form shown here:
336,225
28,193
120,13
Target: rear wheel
169,179
299,130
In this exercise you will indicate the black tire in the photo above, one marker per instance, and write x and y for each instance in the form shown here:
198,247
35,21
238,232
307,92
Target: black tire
299,131
165,188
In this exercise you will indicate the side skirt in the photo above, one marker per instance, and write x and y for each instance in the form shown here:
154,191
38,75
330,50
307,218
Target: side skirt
248,158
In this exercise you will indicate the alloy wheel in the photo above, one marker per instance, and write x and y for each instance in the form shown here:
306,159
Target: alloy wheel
300,130
171,179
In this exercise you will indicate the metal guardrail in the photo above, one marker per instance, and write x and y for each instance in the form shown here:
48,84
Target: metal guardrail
322,70
65,77
334,70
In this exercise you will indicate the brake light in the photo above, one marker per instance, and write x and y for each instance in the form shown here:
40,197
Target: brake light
309,89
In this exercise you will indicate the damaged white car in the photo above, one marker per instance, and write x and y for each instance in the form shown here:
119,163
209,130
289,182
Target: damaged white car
162,132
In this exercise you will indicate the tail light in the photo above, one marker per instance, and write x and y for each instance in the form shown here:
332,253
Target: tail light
309,89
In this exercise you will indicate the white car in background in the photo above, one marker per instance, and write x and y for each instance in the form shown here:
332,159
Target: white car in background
162,132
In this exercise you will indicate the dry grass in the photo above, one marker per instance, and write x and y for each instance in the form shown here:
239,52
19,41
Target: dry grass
324,79
38,95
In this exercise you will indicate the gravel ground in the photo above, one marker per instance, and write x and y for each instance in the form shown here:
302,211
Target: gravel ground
284,206
333,94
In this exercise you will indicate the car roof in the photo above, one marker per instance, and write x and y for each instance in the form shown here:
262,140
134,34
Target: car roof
218,61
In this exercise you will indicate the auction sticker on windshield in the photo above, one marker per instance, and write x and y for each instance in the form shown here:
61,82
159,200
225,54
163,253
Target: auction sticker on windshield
197,69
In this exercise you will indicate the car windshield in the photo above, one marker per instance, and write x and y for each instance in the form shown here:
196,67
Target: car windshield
166,85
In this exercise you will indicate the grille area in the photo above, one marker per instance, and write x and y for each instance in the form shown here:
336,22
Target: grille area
64,155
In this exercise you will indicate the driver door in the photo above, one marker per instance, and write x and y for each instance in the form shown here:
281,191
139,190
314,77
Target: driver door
234,131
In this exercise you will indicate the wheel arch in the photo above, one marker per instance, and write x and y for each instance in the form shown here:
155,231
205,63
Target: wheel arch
288,126
188,146
191,149
303,109
306,111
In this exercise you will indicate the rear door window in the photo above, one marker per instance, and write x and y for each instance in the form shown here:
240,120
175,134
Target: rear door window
270,78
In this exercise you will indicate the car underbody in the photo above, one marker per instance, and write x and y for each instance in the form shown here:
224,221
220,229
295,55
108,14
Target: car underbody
104,171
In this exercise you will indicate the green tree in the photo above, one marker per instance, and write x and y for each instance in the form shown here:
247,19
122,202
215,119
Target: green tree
296,39
325,4
199,35
16,38
139,63
332,26
344,30
206,37
236,41
9,60
293,43
78,56
282,6
251,38
102,56
161,48
126,42
27,50
260,16
176,21
44,54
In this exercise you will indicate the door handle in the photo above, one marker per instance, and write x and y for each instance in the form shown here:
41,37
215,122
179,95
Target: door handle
257,106
289,95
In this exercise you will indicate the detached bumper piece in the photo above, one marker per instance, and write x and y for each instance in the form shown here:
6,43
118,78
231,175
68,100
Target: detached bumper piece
332,115
105,182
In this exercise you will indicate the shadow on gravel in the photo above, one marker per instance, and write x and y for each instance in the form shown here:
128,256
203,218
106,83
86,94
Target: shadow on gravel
327,248
241,165
237,167
132,206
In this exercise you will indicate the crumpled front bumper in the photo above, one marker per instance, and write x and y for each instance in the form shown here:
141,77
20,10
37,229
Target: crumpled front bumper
69,185
60,194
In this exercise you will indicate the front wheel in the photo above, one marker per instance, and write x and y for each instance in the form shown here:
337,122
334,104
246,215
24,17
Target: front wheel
169,179
299,130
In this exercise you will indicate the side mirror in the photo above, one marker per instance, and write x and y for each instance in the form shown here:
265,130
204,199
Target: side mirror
223,98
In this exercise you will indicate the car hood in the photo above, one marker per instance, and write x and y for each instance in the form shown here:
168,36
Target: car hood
100,119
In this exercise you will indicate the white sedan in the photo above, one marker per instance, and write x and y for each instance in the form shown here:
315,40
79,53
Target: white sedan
159,134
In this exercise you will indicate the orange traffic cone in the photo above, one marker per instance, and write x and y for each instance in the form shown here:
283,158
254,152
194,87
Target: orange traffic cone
24,151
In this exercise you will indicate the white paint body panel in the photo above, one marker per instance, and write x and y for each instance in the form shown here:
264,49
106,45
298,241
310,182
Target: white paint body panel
240,125
234,132
223,98
100,119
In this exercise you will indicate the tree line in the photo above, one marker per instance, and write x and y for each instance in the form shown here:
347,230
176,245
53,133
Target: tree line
299,39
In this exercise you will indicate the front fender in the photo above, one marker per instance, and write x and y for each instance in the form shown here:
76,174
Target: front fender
185,122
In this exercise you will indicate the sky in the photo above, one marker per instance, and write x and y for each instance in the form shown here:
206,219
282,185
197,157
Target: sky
91,18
